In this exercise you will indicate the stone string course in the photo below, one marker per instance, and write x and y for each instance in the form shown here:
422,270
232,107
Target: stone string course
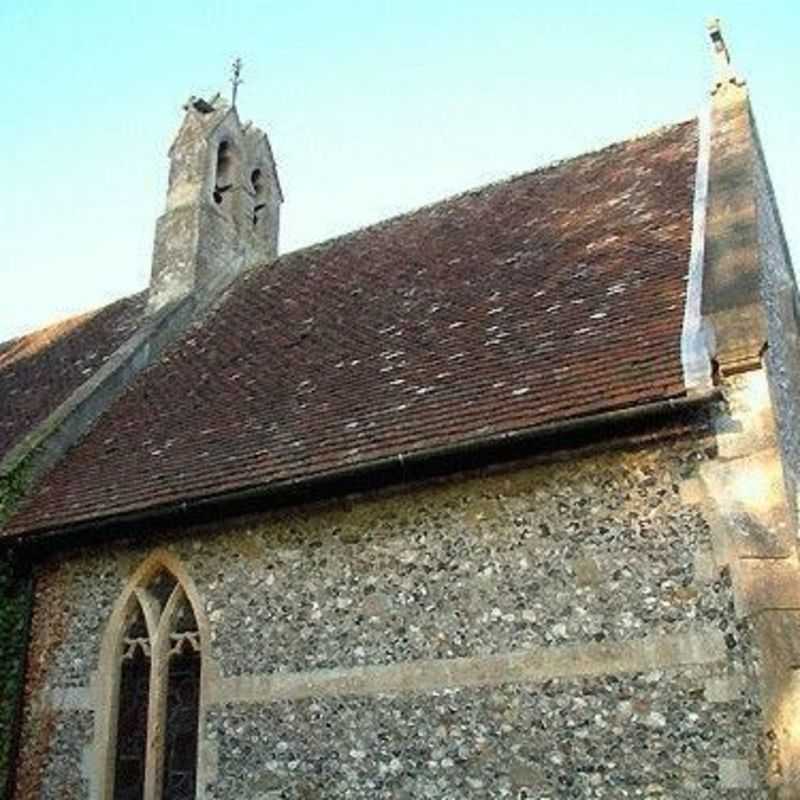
526,666
597,552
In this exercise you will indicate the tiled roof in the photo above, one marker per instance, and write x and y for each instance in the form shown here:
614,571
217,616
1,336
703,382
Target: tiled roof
39,370
551,296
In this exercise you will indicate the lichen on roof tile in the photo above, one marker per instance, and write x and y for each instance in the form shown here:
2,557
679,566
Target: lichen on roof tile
602,239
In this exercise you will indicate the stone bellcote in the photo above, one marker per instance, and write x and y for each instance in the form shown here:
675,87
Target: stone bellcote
223,204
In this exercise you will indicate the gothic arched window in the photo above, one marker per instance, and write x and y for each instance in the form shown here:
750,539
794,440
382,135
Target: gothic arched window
155,700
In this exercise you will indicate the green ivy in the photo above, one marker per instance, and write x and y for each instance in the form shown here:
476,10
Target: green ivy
15,603
15,600
12,487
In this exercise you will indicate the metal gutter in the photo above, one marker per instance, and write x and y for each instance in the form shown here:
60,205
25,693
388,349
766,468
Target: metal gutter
399,468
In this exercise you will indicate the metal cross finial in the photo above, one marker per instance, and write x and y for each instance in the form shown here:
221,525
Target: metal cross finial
236,80
722,57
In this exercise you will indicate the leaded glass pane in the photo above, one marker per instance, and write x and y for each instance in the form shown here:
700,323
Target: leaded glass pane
184,617
183,705
134,688
137,629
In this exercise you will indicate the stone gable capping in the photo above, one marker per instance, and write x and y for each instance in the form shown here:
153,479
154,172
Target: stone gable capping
731,278
69,421
47,443
39,370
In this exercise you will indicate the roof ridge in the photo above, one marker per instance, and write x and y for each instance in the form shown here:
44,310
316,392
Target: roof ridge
78,315
378,225
42,329
546,167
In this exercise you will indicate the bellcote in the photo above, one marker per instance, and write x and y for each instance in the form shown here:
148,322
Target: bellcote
223,203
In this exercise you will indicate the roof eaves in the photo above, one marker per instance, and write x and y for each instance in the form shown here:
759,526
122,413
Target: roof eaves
401,464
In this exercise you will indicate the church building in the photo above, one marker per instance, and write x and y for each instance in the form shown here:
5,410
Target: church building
493,499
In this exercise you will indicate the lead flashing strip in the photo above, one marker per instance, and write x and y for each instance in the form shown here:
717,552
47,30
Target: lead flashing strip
695,339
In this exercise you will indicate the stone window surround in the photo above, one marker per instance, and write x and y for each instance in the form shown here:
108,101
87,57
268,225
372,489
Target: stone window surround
107,679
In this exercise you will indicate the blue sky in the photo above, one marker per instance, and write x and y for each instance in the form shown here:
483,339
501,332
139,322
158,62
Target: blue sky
373,108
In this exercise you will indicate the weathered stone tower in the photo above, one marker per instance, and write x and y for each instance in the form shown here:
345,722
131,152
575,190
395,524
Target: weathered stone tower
223,203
